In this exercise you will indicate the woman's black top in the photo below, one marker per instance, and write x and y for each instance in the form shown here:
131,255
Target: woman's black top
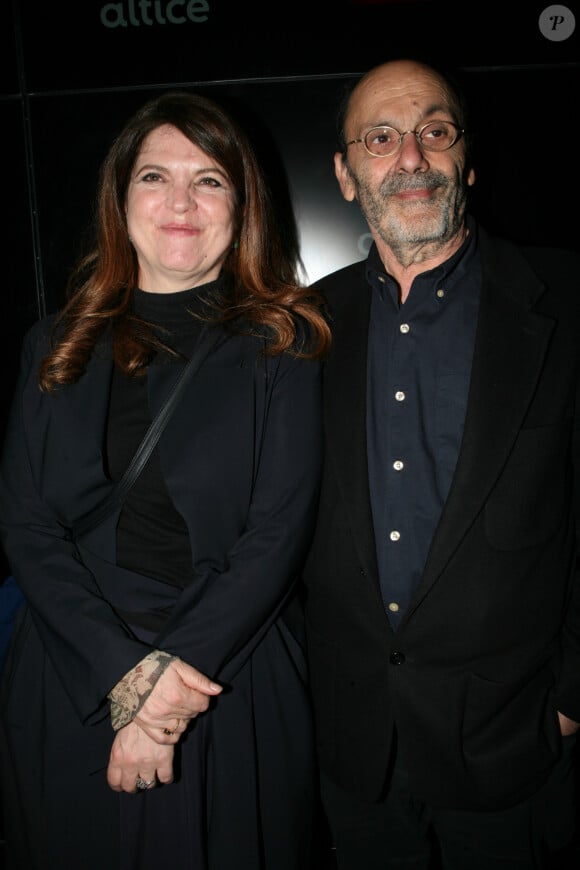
152,537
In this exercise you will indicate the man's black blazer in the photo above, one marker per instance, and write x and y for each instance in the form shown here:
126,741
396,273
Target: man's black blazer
489,649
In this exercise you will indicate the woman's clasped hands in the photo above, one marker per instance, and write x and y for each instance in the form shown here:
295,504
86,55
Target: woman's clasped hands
143,749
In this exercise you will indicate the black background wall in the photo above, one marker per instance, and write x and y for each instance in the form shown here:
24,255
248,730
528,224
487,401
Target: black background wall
71,72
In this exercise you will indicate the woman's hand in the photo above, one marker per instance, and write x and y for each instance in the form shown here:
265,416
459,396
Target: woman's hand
135,757
180,694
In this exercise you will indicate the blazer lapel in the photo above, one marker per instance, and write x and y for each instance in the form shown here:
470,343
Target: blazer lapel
510,346
88,400
345,413
79,416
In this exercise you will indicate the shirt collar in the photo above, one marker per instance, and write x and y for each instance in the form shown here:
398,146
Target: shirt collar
449,272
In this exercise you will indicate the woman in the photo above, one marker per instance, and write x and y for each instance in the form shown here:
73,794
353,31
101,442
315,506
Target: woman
154,706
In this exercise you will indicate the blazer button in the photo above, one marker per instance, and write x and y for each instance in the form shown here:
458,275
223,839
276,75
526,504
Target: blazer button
397,658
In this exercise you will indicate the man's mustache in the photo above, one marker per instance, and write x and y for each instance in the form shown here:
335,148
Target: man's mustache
425,181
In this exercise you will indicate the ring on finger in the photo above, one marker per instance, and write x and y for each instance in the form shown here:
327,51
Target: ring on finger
169,731
144,784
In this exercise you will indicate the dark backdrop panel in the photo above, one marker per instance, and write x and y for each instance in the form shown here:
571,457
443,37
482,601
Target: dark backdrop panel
525,186
94,44
19,304
8,62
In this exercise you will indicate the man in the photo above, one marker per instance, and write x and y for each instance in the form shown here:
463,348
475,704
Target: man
443,604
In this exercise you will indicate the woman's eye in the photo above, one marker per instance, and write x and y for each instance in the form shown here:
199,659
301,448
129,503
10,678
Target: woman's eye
209,181
151,176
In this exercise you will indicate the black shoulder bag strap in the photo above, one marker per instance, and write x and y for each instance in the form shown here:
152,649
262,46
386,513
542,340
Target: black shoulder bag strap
206,341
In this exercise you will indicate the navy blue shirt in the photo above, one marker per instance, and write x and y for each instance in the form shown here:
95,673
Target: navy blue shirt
419,367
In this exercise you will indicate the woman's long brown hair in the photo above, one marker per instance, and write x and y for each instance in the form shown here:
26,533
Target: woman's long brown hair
264,291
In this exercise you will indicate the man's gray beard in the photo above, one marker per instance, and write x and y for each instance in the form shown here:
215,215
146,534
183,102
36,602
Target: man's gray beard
439,225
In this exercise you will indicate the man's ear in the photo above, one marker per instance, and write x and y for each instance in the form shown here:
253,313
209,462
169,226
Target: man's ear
344,178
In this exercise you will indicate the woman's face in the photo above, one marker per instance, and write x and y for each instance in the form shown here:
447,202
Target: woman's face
180,213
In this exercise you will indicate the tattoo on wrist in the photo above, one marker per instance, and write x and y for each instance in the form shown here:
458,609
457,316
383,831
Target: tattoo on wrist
131,692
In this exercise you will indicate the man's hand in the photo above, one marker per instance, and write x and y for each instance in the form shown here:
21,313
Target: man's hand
567,726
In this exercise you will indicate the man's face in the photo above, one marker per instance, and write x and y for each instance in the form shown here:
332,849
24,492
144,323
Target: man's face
415,195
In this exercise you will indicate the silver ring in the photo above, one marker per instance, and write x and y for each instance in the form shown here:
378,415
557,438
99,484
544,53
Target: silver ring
144,784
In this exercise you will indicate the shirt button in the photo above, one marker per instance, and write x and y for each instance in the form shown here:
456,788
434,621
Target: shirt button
400,396
394,535
398,465
404,328
397,658
393,607
440,293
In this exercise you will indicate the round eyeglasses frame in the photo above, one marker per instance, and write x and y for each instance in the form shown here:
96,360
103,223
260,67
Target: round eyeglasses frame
459,131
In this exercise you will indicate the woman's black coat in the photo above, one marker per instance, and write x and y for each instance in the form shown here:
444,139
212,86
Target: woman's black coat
241,459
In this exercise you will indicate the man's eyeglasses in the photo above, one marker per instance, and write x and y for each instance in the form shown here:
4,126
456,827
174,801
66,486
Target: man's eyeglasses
386,141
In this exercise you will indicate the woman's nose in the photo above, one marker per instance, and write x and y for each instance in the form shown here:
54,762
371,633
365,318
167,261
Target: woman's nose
182,197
